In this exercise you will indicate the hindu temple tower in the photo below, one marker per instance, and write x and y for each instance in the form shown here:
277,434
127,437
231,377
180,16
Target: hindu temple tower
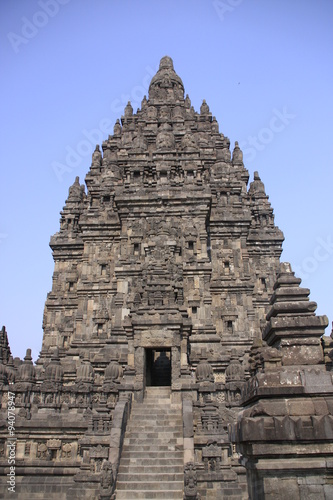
180,358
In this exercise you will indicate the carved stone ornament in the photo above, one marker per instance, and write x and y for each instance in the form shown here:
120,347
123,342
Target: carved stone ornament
190,482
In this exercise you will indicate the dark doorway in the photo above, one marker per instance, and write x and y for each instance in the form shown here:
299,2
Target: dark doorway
158,367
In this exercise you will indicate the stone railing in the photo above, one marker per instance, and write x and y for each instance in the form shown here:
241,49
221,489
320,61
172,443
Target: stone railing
121,415
110,468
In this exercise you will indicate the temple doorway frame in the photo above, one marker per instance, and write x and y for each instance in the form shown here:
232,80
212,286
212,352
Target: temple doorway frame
158,367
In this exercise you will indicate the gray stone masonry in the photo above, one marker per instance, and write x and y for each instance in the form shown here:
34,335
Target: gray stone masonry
169,310
151,464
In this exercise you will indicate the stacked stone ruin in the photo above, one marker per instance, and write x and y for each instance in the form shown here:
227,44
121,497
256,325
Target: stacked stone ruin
167,273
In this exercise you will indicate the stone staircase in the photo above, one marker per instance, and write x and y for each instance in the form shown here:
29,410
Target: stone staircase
151,464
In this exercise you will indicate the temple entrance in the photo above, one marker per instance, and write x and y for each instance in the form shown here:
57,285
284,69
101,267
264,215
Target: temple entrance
158,367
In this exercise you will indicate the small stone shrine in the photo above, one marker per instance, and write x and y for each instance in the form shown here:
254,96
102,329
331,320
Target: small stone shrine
167,274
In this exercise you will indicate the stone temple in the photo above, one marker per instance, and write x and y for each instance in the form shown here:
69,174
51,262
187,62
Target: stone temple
180,358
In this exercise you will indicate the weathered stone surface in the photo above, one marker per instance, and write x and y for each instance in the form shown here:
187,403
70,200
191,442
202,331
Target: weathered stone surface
167,273
286,403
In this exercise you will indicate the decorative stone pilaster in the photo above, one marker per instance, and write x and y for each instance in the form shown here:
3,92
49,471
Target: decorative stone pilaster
190,482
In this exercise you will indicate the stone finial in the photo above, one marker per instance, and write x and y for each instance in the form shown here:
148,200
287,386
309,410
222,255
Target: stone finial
75,192
204,108
234,371
292,325
97,157
28,357
286,278
237,155
204,372
215,126
166,85
144,102
113,372
117,128
54,371
166,63
3,372
72,210
285,268
4,344
26,371
85,372
257,187
187,102
128,110
11,372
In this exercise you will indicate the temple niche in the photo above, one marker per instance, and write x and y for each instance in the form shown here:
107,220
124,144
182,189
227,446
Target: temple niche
168,296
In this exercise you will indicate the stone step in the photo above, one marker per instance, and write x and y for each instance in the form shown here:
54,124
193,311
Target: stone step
150,389
153,413
148,396
157,403
163,398
155,428
153,424
160,392
143,432
164,445
155,421
147,495
152,462
149,485
138,467
164,403
152,454
156,435
147,416
163,395
163,448
142,478
152,433
155,448
156,406
142,436
163,437
156,472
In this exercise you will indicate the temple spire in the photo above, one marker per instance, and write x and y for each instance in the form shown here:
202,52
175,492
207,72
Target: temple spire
166,86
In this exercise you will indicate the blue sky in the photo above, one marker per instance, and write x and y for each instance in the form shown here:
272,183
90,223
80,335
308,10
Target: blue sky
70,66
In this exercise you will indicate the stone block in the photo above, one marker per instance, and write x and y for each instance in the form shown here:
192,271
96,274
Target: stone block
300,407
276,488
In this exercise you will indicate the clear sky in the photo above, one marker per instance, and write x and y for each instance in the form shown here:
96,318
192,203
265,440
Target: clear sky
70,66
